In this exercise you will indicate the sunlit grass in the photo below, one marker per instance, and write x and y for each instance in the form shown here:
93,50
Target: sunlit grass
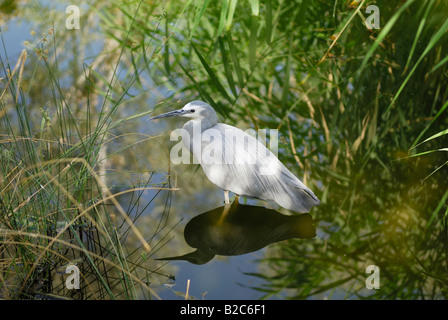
362,114
56,206
353,102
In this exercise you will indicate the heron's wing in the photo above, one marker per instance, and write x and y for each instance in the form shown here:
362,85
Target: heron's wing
254,171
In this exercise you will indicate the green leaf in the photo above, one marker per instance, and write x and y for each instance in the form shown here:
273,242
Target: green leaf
384,32
199,13
285,90
268,21
235,60
436,37
253,40
202,92
227,69
166,52
441,63
441,133
212,75
223,17
255,7
422,24
427,127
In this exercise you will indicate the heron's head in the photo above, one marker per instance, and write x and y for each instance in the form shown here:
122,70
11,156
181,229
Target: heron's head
195,109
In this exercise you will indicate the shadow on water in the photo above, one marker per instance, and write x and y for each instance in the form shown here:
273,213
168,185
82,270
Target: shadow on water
238,229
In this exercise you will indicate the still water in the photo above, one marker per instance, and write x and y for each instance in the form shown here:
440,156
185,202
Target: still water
241,232
378,208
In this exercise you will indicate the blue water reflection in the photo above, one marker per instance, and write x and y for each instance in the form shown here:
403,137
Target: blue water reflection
228,240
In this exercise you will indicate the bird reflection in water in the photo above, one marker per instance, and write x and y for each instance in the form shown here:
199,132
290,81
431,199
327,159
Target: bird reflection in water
238,229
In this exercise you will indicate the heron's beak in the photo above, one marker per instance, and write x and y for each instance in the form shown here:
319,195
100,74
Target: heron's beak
174,113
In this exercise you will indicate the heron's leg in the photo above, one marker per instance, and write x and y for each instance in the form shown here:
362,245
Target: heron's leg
226,196
226,207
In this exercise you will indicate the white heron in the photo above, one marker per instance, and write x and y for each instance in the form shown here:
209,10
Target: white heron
245,167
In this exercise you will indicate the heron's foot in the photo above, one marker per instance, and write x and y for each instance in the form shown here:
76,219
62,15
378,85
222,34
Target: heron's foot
226,197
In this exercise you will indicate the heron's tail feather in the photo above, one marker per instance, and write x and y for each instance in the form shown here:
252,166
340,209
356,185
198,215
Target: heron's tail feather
301,196
312,195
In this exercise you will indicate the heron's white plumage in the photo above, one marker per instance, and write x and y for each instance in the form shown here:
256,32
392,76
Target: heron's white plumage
235,161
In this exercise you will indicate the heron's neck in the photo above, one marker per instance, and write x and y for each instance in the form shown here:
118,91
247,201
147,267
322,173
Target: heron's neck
203,124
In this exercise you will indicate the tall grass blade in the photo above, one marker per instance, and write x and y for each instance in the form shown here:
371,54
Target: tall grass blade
435,38
235,60
200,10
214,79
445,106
253,41
227,69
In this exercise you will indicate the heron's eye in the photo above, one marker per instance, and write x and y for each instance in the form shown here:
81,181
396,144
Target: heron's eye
192,110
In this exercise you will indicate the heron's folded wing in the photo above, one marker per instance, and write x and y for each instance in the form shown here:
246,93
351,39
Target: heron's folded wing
260,173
